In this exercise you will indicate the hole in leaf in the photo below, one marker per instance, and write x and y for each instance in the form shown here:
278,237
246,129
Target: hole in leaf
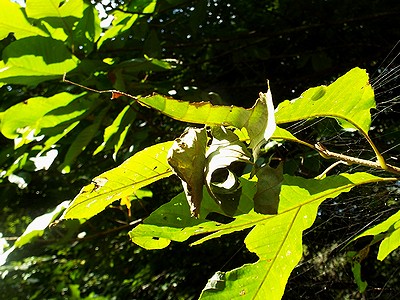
219,175
220,218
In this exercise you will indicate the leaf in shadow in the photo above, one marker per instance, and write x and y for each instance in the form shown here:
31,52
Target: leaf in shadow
225,156
266,199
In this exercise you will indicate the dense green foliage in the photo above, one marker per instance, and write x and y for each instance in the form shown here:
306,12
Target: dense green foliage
59,138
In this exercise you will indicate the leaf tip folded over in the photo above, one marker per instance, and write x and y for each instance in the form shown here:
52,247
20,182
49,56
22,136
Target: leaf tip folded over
261,124
270,123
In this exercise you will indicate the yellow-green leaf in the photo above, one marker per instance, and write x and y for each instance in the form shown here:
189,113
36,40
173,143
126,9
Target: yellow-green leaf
276,239
140,170
349,99
259,120
12,19
32,60
35,114
390,228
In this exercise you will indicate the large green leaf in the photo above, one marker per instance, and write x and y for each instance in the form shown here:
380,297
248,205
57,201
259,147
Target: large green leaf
59,17
12,19
142,169
73,21
27,119
32,60
174,216
350,99
39,9
276,239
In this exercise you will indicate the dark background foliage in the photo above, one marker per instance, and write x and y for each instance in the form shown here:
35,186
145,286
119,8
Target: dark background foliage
227,50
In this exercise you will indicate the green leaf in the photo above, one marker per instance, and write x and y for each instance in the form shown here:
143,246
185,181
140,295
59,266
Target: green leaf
114,135
60,17
12,19
277,239
187,158
259,121
140,170
225,155
122,22
39,9
356,269
52,140
81,141
32,60
146,64
245,282
350,99
174,216
172,221
29,118
87,31
283,134
391,242
390,229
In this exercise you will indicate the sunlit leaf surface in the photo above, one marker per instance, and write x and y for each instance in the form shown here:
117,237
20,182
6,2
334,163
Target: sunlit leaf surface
143,168
276,239
350,99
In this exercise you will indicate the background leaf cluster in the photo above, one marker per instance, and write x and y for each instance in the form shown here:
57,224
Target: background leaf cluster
194,50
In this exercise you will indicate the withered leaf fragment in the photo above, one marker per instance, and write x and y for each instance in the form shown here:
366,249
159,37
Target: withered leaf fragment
187,159
225,157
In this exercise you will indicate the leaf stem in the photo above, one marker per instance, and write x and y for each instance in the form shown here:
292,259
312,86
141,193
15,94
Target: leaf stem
325,153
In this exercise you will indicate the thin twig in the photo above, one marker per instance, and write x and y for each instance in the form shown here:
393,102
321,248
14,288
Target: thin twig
114,93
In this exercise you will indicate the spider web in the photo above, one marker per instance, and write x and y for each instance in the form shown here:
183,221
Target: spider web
325,271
